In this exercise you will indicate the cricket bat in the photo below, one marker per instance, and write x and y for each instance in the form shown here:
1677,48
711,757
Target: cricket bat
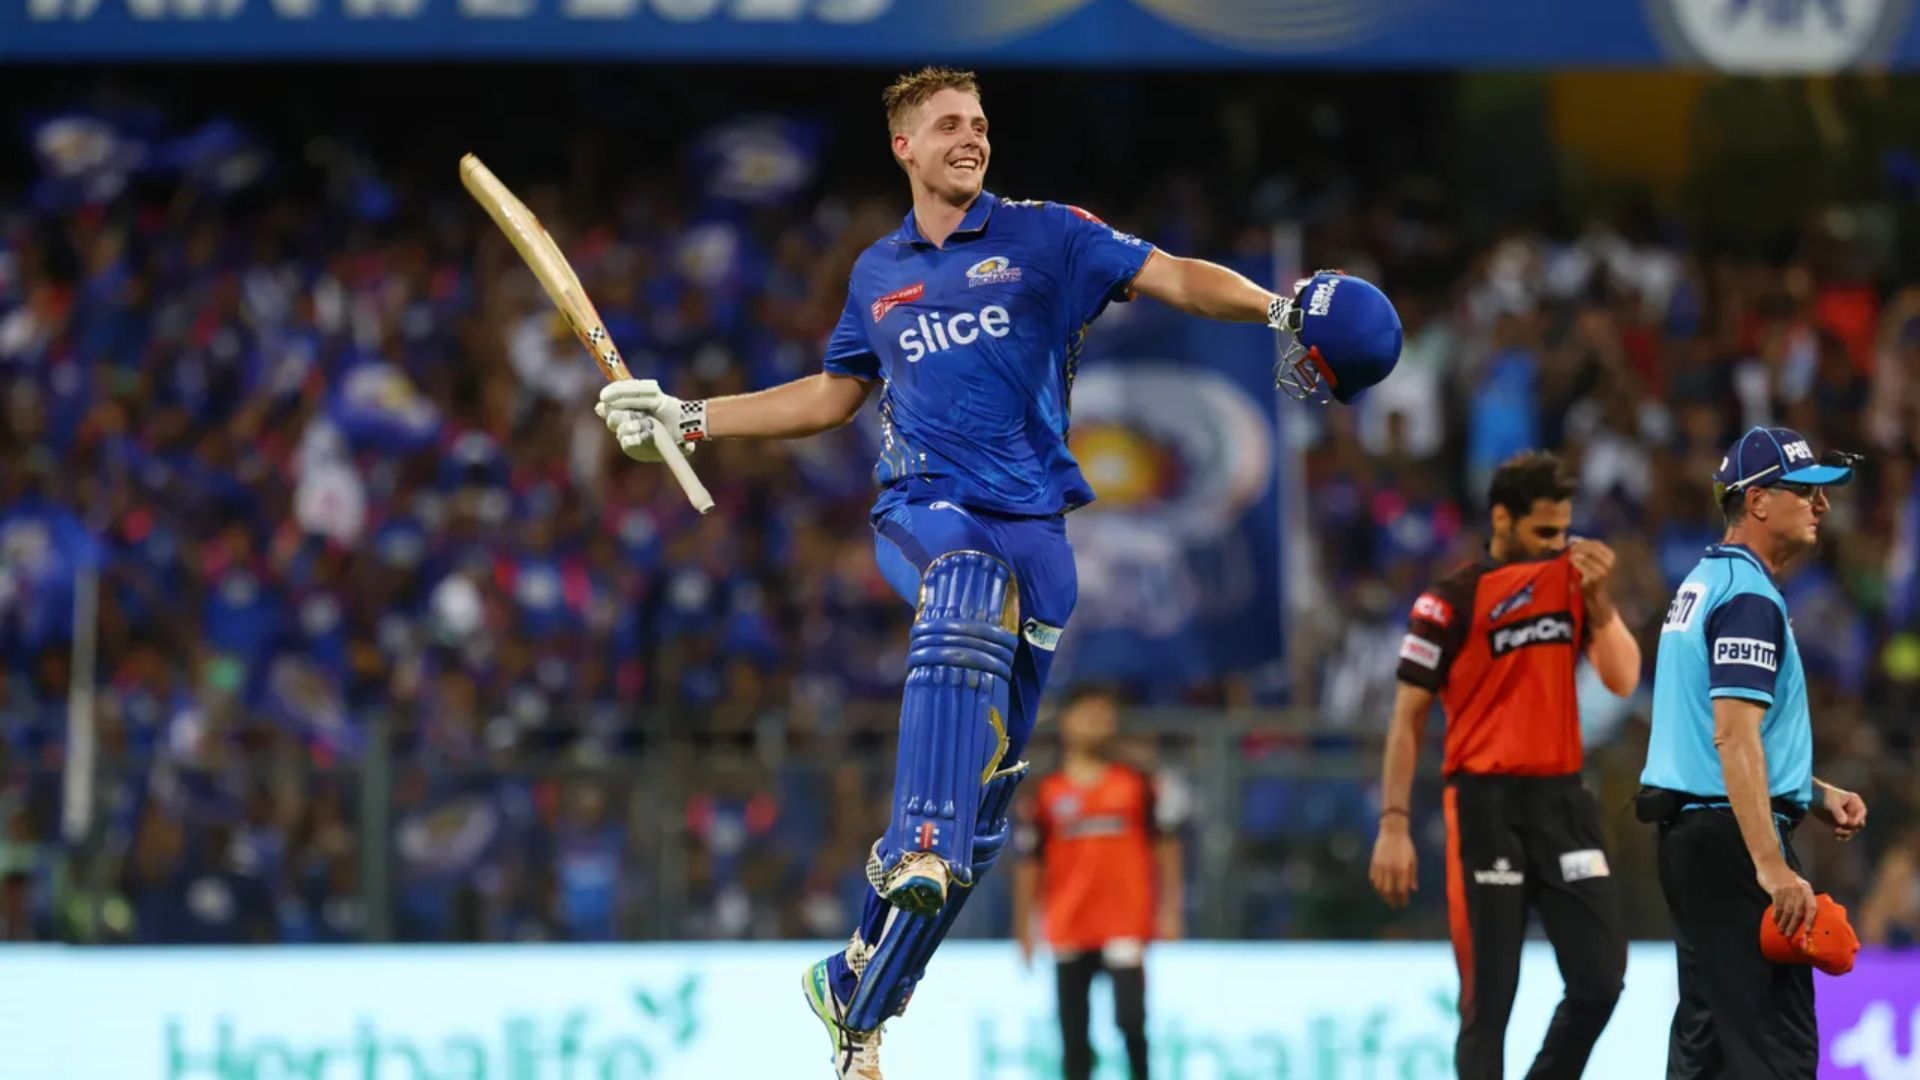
556,276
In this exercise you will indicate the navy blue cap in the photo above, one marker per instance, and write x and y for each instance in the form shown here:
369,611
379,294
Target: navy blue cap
1766,456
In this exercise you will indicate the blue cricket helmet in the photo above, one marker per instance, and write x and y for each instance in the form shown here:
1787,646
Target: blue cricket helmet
1346,337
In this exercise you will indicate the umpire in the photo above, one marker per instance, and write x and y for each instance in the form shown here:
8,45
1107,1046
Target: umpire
1730,771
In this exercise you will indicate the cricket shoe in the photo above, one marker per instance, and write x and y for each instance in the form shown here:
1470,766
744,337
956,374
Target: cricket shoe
856,1054
917,884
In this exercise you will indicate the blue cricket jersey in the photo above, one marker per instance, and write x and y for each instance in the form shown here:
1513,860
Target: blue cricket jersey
1726,635
975,344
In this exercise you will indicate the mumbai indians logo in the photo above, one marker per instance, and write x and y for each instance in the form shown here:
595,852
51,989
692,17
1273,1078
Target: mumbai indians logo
1179,456
1778,36
991,271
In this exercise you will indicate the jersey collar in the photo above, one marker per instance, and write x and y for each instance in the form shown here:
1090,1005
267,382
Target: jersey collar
1739,551
974,223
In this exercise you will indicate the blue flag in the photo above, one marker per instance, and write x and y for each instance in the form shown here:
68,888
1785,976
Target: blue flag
1176,424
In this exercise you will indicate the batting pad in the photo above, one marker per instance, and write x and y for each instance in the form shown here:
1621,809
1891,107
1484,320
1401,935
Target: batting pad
952,713
897,961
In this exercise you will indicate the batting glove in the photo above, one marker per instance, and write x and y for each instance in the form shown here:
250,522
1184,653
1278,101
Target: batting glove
632,406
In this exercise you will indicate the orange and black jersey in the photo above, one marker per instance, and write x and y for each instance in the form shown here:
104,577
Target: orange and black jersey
1499,642
1094,844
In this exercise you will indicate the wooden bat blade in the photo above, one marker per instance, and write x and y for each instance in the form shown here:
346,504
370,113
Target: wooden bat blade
562,286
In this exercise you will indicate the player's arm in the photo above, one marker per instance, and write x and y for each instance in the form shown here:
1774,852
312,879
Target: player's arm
795,410
1201,288
819,402
1743,764
1611,647
1165,817
1744,638
1845,810
1394,868
1435,630
1615,655
1026,881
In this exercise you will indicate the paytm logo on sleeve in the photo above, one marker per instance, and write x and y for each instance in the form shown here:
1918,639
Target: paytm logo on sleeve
1749,651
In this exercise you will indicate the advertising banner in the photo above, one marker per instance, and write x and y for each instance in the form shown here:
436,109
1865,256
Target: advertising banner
1225,1011
1742,35
1870,1018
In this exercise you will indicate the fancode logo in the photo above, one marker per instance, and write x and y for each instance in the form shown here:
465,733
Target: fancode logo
897,297
1550,629
1511,604
938,335
1749,651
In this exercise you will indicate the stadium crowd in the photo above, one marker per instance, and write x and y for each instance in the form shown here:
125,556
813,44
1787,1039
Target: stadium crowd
332,460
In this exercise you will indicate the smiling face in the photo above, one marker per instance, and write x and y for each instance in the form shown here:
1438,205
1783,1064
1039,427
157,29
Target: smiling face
943,145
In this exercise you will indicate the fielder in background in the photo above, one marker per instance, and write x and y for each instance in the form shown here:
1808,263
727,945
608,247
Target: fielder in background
1730,772
1499,640
969,318
1101,860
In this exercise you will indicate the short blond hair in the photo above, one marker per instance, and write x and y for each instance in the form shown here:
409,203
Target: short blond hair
912,90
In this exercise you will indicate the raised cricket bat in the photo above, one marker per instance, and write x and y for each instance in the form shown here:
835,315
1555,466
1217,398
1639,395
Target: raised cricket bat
556,276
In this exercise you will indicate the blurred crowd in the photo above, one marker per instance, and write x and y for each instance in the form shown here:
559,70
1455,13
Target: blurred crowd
331,460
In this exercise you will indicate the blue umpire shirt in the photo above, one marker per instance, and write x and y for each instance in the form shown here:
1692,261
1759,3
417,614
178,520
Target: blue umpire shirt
976,343
1727,635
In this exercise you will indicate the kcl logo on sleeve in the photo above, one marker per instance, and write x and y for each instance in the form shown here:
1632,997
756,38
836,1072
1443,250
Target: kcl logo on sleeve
938,334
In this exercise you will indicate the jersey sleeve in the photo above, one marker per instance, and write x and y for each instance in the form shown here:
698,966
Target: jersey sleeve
849,352
1101,262
1744,637
1436,628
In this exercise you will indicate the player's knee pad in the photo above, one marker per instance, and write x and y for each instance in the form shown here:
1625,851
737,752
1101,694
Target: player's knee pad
891,968
953,711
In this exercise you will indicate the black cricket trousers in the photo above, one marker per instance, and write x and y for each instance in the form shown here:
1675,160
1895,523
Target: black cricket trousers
1517,844
1740,1016
1074,984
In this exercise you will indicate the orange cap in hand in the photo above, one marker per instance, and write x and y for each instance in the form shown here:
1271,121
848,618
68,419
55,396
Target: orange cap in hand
1827,941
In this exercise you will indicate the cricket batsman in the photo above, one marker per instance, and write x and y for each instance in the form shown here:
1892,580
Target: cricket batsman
969,318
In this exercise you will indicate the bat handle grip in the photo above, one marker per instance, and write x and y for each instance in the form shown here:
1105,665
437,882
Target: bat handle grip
669,448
